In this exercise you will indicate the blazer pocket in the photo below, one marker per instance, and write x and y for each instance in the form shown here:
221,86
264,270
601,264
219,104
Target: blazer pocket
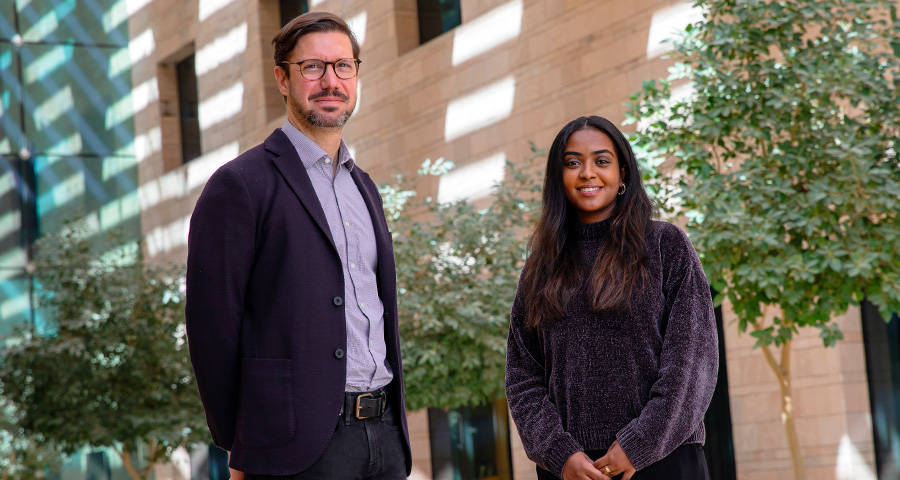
266,415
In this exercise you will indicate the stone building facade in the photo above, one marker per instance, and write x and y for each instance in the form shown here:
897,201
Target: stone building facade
511,72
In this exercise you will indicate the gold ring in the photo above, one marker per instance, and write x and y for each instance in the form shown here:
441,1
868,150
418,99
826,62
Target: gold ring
607,470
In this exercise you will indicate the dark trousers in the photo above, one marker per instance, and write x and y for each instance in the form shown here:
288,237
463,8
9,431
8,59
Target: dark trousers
366,449
685,463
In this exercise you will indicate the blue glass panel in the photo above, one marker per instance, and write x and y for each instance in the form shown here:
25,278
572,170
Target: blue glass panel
6,21
15,307
70,187
72,98
12,190
85,22
10,103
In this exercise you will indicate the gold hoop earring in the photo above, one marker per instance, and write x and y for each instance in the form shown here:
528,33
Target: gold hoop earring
622,189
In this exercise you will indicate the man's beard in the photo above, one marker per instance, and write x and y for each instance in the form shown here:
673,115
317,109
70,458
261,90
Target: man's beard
317,119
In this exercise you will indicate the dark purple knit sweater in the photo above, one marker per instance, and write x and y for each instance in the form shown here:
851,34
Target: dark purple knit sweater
644,377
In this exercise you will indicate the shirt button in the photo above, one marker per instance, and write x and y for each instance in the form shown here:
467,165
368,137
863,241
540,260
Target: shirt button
327,161
352,265
362,305
339,353
346,224
338,301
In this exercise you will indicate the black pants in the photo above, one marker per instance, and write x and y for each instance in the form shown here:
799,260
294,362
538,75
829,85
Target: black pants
359,450
685,463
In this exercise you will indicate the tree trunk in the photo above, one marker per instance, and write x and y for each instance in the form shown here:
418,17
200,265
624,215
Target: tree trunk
126,461
782,371
790,428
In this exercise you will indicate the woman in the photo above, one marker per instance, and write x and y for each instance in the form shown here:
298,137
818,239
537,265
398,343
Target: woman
612,352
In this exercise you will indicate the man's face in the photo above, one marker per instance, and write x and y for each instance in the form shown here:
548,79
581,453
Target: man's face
324,103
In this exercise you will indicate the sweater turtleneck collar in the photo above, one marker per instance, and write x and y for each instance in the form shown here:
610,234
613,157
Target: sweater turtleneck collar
592,232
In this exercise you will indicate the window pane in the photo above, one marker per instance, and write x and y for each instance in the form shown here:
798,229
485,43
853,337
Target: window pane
6,20
289,9
188,104
10,103
882,347
78,99
97,22
437,17
470,443
15,307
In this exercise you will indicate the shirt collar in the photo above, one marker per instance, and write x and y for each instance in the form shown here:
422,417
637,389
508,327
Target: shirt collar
310,153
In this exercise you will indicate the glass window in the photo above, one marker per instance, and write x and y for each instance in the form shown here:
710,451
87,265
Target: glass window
188,102
10,101
105,22
290,9
437,17
470,443
882,345
80,97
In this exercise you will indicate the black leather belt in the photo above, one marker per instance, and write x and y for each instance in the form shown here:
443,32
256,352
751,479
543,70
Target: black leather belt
363,405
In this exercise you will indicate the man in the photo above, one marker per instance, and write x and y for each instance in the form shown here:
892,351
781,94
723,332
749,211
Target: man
291,291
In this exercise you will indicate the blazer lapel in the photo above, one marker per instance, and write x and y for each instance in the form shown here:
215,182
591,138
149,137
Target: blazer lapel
386,269
291,168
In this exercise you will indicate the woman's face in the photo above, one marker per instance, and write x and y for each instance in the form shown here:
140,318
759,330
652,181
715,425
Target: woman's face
591,174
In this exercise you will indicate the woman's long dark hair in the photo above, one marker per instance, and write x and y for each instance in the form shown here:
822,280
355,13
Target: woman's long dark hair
550,277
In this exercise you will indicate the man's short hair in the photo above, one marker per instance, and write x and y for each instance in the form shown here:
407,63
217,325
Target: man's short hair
311,22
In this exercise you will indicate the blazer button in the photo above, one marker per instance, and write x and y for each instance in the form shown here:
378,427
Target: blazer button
338,301
339,353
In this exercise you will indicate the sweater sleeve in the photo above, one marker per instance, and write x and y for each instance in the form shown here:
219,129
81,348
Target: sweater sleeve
536,416
688,362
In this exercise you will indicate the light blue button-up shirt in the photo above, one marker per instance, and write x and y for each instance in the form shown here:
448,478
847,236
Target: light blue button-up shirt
354,237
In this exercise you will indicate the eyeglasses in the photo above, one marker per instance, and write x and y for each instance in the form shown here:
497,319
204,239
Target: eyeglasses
314,69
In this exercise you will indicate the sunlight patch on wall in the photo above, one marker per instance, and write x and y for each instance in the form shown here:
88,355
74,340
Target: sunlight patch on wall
668,23
47,63
113,166
357,23
7,183
221,106
120,11
119,210
61,193
147,144
850,463
45,27
170,185
14,257
10,222
14,306
209,7
126,107
486,32
480,109
200,169
472,181
67,146
54,107
221,49
168,237
139,48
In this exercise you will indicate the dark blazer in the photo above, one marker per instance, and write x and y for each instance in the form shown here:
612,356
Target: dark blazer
265,312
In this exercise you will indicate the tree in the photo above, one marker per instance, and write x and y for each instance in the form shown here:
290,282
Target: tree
457,271
112,369
21,456
788,144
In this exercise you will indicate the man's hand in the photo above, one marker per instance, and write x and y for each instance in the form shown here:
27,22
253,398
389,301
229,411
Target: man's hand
615,462
579,467
236,474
